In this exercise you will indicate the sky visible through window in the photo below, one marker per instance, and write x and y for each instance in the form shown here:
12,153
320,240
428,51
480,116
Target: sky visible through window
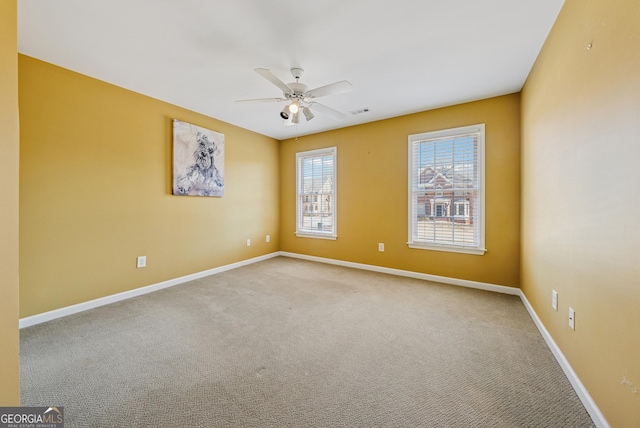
316,171
447,153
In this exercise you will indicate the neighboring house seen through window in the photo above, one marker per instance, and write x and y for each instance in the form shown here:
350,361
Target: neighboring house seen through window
316,193
446,190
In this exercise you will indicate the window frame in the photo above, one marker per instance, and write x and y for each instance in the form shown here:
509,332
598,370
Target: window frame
479,248
311,233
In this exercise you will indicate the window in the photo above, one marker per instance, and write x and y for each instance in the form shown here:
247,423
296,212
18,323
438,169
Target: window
316,181
461,208
446,190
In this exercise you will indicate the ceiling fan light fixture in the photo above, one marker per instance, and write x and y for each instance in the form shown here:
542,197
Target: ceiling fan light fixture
299,96
307,113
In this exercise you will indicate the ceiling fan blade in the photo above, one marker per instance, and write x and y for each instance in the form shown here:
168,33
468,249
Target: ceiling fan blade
261,100
328,111
332,89
273,79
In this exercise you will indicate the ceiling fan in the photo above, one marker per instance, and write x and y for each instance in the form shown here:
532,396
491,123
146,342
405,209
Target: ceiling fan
300,98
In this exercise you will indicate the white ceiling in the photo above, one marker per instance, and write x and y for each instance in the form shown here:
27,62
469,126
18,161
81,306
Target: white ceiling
401,56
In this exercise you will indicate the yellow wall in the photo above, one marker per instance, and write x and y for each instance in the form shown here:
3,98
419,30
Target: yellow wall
581,197
95,192
9,151
372,193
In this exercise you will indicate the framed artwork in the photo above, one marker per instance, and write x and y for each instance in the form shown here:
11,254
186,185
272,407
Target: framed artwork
198,160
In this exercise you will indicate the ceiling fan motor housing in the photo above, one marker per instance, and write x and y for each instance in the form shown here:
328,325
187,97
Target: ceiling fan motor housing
298,91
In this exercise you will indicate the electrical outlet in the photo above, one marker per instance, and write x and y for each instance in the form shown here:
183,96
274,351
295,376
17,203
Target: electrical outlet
554,300
142,262
381,247
268,238
572,319
248,242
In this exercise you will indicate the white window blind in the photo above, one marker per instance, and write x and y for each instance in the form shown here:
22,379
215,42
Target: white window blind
446,193
316,193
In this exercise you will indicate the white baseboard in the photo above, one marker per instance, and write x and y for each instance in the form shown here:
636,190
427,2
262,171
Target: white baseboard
435,278
80,307
590,405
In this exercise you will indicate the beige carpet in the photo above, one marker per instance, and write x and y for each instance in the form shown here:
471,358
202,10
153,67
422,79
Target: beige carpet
292,343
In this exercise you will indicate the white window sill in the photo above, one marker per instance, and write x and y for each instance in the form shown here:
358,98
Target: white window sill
447,248
316,235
